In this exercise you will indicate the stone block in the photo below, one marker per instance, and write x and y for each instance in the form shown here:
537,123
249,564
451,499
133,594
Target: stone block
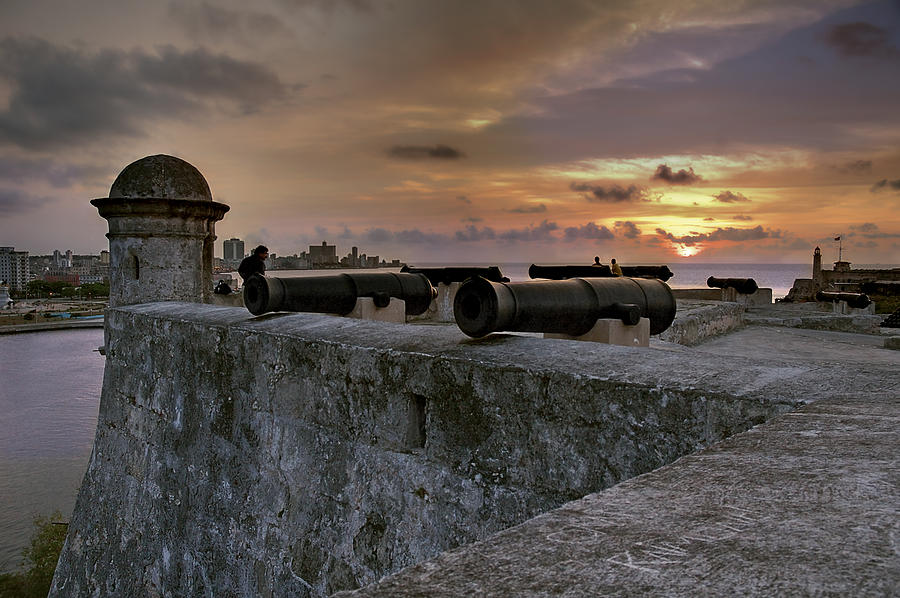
365,309
892,342
613,332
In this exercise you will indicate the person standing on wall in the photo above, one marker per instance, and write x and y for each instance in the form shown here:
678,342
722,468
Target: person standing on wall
255,263
616,269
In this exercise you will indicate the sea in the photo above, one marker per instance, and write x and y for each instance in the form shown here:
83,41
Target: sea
50,395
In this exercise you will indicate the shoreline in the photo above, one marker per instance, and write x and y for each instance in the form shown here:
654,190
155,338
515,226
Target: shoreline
60,325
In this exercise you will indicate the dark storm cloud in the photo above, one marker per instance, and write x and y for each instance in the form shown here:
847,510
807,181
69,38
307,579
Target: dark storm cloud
215,23
420,152
665,174
588,231
627,229
885,184
730,197
473,233
529,209
15,169
66,96
13,201
857,167
721,234
611,194
464,199
861,39
378,235
870,230
541,232
742,217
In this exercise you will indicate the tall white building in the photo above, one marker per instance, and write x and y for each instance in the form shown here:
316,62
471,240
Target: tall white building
14,268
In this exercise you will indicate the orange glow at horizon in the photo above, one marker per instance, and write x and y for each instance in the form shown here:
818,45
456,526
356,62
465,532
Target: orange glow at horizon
688,251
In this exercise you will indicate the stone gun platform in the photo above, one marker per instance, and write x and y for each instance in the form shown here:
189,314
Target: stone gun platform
806,504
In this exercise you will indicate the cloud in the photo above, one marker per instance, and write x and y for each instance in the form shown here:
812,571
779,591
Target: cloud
59,175
587,231
709,219
885,184
420,152
865,227
720,234
611,194
66,96
730,197
216,24
377,235
682,177
742,217
472,219
13,201
856,167
627,229
541,232
870,230
860,39
463,199
529,209
473,233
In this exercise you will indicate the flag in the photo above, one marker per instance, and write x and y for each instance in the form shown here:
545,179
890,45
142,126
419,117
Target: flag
837,238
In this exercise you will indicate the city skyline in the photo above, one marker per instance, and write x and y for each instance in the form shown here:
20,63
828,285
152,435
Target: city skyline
470,132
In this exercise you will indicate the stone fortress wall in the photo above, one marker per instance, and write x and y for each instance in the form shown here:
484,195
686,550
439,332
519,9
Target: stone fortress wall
303,454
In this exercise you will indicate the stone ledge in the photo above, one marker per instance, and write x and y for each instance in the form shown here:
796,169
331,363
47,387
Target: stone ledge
807,504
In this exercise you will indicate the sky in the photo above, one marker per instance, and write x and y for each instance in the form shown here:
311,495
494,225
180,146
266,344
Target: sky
467,131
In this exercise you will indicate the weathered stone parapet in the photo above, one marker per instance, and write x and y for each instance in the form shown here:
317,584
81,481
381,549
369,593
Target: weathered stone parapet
301,454
699,320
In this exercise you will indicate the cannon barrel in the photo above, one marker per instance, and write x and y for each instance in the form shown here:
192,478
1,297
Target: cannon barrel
570,306
744,286
857,300
336,293
457,273
563,272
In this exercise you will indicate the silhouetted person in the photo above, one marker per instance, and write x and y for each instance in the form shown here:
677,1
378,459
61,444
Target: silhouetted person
616,269
222,288
254,263
597,261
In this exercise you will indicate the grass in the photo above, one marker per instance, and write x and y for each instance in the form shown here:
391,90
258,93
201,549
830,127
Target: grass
41,556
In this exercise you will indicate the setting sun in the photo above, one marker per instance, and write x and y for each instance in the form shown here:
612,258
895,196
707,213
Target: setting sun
688,251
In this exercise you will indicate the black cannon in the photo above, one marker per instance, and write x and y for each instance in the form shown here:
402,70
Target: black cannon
336,293
570,306
564,272
457,273
744,286
857,300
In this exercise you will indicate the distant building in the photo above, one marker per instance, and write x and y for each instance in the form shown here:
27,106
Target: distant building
104,257
233,250
322,255
14,268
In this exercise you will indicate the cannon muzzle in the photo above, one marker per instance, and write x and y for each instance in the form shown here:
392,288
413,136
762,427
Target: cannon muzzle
457,273
857,300
337,293
744,286
569,307
565,272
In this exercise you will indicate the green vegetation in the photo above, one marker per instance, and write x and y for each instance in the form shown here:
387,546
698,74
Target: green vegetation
42,288
40,560
886,304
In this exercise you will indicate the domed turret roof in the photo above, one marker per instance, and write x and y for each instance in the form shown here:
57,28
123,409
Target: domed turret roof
160,176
